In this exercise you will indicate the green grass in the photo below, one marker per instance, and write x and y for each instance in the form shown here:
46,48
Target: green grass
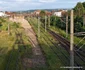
48,52
63,33
6,43
76,41
53,61
10,57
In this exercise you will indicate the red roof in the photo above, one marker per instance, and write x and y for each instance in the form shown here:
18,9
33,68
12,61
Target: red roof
48,13
9,13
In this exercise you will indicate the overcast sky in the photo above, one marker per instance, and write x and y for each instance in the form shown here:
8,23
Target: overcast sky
16,5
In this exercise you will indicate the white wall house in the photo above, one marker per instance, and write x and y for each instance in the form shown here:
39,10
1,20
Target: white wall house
2,14
37,12
59,14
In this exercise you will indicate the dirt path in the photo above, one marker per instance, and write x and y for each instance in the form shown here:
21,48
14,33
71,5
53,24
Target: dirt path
38,58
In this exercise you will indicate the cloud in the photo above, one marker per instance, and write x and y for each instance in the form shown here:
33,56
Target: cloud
1,2
47,1
18,5
69,1
4,8
36,4
23,0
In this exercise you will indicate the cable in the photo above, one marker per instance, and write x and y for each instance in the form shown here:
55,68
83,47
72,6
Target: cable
62,20
80,41
80,47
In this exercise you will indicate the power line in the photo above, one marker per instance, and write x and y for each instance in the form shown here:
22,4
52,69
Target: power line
80,47
80,41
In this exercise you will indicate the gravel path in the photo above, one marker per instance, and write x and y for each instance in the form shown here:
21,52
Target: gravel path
38,59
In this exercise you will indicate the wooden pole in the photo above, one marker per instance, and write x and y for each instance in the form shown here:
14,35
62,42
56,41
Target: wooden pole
49,20
45,23
55,23
66,25
38,27
8,29
71,41
84,20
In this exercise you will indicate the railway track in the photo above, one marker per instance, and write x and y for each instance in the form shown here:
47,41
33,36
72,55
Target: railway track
67,59
52,48
18,41
10,56
66,44
42,30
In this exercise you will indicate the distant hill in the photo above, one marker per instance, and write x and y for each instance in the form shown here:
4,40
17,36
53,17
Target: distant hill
28,11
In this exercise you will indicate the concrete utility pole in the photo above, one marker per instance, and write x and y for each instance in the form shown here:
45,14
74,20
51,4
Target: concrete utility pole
71,41
55,23
49,21
66,25
45,23
84,20
8,29
38,27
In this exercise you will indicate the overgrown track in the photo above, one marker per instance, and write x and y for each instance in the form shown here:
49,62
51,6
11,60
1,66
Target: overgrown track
18,41
66,57
45,37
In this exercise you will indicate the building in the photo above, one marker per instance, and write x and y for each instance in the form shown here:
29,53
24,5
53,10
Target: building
60,13
37,12
48,13
2,14
9,13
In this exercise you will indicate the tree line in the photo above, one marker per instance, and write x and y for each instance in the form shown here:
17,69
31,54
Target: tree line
79,14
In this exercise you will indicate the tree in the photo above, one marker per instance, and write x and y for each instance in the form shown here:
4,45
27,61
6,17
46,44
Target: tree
83,4
78,24
0,23
56,21
77,27
79,9
42,13
78,19
53,20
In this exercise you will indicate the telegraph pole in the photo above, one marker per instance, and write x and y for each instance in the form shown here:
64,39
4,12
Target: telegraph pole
71,41
45,23
49,21
83,20
38,27
8,29
55,22
66,25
